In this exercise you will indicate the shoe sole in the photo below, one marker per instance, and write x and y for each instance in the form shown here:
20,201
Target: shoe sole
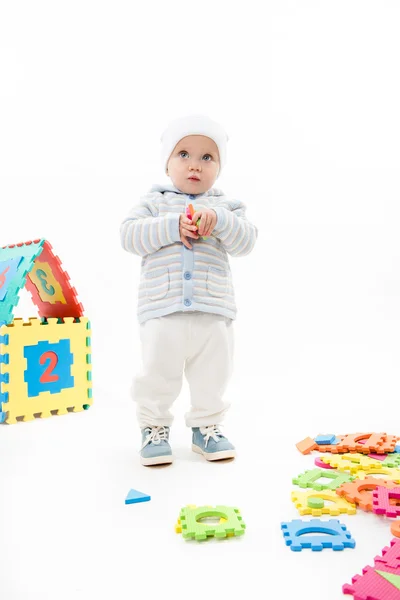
214,455
157,460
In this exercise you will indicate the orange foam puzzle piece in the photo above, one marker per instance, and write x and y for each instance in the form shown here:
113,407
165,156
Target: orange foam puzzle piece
306,446
360,491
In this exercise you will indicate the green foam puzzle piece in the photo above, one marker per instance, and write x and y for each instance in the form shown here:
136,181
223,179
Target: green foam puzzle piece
191,528
315,502
308,479
28,253
391,578
392,460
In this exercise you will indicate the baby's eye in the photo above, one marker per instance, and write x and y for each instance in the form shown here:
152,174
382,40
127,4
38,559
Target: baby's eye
183,154
207,157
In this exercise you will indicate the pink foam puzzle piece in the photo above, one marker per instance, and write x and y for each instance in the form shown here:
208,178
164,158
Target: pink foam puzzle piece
394,579
371,586
380,457
319,463
387,569
381,501
390,556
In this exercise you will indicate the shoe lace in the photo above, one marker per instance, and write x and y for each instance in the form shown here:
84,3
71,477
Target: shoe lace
212,431
156,435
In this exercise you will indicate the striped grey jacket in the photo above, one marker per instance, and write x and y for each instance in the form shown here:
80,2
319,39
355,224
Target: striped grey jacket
174,278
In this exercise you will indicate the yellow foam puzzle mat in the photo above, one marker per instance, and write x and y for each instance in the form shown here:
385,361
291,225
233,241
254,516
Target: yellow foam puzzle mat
45,368
45,363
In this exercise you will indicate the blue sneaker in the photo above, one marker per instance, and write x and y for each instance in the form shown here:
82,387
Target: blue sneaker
155,448
210,442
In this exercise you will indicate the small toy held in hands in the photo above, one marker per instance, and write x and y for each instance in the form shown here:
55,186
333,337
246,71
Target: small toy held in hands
189,213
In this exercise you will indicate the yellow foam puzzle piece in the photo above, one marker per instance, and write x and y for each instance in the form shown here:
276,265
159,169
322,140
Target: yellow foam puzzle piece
20,334
351,462
45,280
391,474
340,506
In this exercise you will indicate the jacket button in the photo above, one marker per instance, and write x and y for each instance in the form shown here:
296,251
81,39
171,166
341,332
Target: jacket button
187,302
188,275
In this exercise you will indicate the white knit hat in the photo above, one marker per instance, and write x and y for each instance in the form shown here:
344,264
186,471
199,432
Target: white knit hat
193,125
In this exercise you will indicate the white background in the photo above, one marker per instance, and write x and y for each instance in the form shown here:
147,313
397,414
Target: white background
309,93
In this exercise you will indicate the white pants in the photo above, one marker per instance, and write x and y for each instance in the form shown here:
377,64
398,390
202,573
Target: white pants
199,345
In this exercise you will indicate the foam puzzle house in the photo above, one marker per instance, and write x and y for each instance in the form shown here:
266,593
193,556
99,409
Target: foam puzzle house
45,362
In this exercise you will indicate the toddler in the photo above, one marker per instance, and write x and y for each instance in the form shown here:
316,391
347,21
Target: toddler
186,303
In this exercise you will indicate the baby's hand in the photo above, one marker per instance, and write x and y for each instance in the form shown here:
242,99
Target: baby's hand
187,230
208,220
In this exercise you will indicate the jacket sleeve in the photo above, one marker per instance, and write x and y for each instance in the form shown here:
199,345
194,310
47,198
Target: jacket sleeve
234,231
144,232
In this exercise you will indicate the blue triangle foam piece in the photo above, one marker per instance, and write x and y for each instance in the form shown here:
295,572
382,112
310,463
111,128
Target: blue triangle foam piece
135,496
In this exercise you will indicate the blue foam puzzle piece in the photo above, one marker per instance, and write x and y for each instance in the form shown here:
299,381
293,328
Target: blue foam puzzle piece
8,270
23,257
397,448
134,496
325,438
4,377
334,441
296,535
35,369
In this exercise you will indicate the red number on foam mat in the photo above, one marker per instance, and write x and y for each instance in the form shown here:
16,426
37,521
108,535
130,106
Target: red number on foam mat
2,277
46,376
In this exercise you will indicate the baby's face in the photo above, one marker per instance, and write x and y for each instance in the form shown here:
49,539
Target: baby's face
194,164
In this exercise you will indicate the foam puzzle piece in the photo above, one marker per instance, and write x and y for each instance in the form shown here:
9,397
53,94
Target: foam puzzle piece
378,443
8,270
371,586
316,503
306,446
391,577
297,535
395,528
309,479
193,528
134,496
352,462
329,447
358,463
381,505
29,369
322,465
50,288
309,444
360,491
22,256
325,438
397,448
178,525
332,504
392,460
48,367
390,556
365,443
380,457
390,473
